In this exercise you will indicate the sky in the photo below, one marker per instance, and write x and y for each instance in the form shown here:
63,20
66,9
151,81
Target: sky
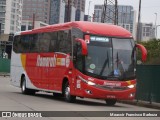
148,10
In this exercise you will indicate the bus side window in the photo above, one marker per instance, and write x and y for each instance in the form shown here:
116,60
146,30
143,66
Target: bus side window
20,46
44,41
61,44
25,41
34,44
78,58
69,42
53,40
64,41
17,44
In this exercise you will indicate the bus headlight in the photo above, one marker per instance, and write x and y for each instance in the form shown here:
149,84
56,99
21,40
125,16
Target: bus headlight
90,83
131,86
86,81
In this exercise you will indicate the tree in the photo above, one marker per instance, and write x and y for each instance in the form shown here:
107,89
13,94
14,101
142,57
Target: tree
153,52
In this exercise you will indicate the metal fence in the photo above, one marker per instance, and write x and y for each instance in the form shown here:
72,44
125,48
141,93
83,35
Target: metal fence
4,65
148,83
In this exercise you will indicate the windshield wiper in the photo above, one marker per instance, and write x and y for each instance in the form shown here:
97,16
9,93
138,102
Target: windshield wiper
104,65
119,63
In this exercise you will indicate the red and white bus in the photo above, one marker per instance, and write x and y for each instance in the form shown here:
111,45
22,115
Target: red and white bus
76,59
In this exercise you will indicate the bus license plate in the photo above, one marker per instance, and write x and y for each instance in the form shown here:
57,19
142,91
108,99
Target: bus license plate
111,96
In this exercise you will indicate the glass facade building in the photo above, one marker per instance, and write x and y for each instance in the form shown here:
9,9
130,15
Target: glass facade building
126,16
41,9
57,11
10,16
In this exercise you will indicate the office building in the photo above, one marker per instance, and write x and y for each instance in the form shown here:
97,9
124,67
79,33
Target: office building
53,11
57,11
126,17
87,18
47,11
146,31
28,25
80,6
10,16
79,10
40,8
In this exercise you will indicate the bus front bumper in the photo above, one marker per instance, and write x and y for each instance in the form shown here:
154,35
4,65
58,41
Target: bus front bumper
99,93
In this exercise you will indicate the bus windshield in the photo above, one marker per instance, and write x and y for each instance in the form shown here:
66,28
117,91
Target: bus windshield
110,58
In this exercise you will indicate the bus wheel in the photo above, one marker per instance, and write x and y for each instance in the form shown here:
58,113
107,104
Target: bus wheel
25,90
68,97
111,102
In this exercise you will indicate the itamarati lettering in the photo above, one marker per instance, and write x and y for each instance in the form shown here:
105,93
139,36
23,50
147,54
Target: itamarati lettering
46,61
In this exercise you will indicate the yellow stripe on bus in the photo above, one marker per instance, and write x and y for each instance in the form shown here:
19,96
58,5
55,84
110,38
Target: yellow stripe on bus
23,60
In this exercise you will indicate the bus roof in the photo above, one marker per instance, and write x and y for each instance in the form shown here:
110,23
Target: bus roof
88,27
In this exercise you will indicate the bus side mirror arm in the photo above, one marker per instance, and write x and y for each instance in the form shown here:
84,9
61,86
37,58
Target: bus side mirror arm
143,50
83,45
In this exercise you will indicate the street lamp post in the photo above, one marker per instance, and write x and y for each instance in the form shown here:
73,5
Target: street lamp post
139,20
33,21
155,25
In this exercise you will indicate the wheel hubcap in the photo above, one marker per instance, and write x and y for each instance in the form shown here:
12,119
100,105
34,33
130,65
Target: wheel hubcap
67,92
23,86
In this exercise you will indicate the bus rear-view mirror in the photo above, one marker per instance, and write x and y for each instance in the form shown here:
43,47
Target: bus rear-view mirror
143,51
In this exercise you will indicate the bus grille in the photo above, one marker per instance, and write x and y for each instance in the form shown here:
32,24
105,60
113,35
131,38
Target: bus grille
112,88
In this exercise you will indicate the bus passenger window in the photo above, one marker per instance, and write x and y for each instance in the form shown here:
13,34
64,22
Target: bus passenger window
64,41
44,41
25,43
78,58
34,45
17,44
53,40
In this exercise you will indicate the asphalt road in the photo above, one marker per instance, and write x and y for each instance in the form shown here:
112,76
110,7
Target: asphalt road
11,99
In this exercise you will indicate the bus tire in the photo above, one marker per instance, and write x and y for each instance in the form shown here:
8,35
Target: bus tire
68,97
110,102
25,90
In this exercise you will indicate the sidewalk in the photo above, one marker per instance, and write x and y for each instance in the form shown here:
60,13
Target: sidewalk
142,103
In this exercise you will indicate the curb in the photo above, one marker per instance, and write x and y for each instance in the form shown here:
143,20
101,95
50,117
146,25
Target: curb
146,104
4,74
